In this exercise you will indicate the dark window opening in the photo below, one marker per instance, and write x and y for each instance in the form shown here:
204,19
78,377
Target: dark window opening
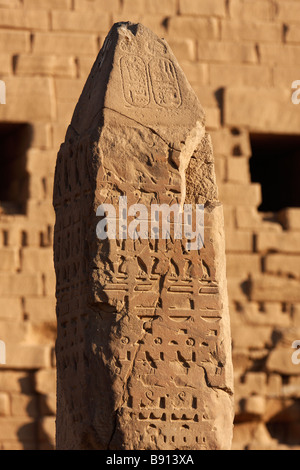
275,164
15,140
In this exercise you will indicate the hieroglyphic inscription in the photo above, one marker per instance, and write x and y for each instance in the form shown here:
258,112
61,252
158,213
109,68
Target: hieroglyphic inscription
172,361
159,75
164,83
169,351
135,80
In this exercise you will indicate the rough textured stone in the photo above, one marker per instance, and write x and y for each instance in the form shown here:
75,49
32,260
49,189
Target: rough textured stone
143,347
2,352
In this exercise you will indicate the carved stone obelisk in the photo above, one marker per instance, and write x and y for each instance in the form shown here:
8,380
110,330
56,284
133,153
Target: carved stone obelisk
143,347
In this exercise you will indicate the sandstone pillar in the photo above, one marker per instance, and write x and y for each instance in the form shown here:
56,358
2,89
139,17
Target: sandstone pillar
143,347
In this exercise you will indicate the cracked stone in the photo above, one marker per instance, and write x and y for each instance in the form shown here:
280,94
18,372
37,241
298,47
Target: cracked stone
143,347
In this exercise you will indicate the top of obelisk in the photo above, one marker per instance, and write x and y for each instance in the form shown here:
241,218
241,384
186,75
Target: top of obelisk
137,75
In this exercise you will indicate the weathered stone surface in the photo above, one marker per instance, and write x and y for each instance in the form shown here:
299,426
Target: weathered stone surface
143,347
2,353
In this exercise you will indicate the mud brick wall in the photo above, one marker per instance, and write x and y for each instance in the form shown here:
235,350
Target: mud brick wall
241,57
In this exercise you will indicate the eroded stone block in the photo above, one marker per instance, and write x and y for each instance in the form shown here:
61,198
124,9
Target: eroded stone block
143,347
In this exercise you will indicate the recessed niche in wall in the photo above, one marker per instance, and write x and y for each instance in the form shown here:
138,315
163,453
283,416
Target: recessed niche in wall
14,142
275,164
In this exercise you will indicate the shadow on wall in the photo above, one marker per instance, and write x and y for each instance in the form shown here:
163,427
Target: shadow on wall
275,164
284,426
33,434
15,140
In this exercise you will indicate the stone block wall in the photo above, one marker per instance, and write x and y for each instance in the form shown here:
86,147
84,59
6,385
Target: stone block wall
241,57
